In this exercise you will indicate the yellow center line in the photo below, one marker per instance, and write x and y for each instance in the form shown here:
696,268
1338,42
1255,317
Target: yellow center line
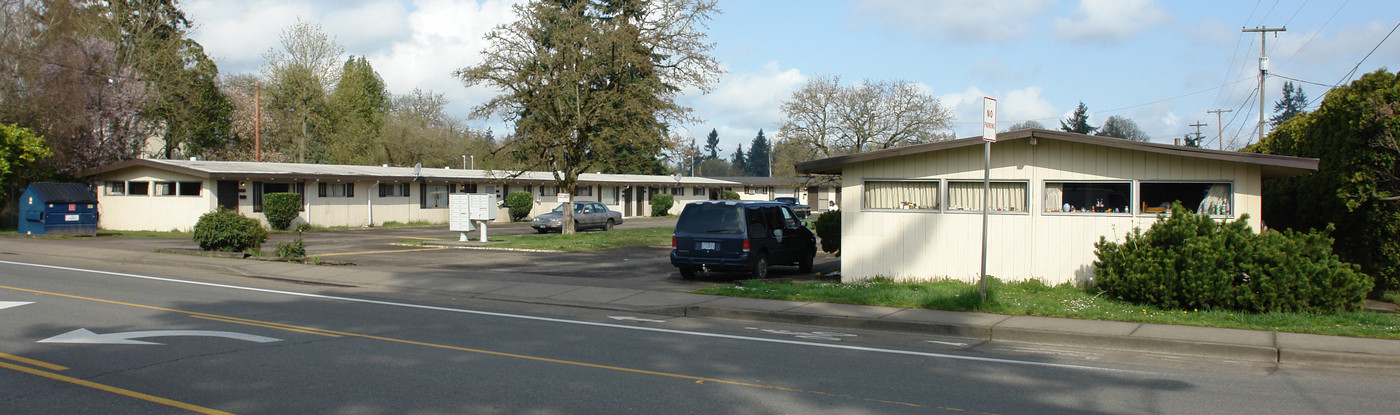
323,332
112,389
391,251
32,362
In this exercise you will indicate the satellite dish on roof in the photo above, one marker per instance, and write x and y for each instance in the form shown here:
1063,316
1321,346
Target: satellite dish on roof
417,168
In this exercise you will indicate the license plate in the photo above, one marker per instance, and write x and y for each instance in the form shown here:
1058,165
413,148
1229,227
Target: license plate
708,246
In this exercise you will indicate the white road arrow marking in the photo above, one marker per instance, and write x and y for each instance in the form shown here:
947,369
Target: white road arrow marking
638,319
85,336
8,304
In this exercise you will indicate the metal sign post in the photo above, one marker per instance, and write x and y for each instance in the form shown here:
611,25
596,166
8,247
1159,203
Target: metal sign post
989,136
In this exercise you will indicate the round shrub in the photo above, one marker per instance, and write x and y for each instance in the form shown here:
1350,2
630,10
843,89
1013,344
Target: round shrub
729,195
228,231
661,204
828,227
519,204
281,209
1189,261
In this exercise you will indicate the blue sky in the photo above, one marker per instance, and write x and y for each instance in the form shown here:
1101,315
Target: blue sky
1161,64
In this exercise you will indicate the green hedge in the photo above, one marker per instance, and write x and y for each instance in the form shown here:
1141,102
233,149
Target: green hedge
661,204
281,209
519,204
229,231
729,195
828,228
1189,261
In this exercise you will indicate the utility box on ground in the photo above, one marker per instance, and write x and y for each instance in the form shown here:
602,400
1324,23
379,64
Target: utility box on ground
58,209
466,209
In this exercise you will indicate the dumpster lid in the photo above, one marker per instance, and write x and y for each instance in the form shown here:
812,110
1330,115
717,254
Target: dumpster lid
63,192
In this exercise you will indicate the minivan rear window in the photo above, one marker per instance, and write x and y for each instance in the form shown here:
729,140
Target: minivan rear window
711,218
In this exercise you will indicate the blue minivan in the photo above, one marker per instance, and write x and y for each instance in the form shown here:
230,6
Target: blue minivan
744,236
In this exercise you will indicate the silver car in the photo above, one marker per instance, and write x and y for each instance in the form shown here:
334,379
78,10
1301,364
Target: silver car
586,215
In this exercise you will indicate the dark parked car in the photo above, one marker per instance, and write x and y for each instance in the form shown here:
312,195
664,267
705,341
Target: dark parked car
586,215
800,209
748,236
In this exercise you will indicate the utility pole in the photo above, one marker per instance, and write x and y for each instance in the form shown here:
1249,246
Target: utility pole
257,121
1263,68
1198,126
1219,128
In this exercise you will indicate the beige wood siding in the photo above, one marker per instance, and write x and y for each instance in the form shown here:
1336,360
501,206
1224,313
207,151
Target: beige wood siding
152,213
923,245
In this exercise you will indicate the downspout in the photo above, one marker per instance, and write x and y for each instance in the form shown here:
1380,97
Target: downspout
369,203
308,200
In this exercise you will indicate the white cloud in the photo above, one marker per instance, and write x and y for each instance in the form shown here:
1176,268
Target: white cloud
1013,107
753,98
235,34
1110,21
445,36
368,28
957,21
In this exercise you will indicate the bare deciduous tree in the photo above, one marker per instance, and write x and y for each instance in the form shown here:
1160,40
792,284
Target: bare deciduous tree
835,120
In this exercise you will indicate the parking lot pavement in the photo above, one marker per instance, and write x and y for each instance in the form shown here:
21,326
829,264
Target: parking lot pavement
384,249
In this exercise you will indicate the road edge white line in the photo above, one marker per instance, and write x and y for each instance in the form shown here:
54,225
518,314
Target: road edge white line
583,323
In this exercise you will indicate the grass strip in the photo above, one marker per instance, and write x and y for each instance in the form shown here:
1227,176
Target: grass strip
586,240
1034,298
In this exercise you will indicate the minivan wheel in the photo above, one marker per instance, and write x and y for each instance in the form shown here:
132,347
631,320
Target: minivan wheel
805,265
686,272
760,267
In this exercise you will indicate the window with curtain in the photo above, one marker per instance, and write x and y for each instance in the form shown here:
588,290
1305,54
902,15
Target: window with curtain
918,195
1209,198
1089,197
435,196
1006,196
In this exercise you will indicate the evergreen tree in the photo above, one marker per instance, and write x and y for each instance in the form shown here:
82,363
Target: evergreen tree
712,144
759,152
738,162
1291,105
1079,122
1120,127
357,108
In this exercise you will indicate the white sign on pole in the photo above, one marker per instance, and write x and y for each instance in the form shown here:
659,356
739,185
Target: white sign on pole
989,119
563,197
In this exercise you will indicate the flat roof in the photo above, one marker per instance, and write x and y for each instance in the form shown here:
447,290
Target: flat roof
268,170
1273,165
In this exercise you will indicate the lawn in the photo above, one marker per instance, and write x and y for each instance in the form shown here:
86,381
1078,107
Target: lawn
586,240
1036,299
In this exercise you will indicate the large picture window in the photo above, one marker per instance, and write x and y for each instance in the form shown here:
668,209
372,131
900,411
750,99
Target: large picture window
1209,198
335,190
1006,196
393,190
609,195
434,196
920,195
262,188
1088,197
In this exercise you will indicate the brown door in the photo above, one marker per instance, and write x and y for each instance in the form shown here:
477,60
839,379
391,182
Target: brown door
627,201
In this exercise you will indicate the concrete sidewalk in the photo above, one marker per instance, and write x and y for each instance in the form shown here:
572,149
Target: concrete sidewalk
1233,344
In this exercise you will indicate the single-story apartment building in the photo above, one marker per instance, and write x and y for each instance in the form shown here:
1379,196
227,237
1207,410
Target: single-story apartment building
162,195
916,212
821,192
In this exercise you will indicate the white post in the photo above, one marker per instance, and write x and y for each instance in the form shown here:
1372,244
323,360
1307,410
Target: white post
483,230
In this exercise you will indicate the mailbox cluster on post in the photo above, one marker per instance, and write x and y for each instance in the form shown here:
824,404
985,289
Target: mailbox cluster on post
464,209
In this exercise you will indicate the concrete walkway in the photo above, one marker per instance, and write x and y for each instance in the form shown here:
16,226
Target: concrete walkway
1233,344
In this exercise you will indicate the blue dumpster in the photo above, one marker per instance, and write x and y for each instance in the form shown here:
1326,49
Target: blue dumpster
58,209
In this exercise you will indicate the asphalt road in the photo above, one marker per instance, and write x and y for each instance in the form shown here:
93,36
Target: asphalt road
240,349
380,249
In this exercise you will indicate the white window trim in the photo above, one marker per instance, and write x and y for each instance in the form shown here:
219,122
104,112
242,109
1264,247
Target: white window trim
1232,199
938,195
948,184
1133,199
